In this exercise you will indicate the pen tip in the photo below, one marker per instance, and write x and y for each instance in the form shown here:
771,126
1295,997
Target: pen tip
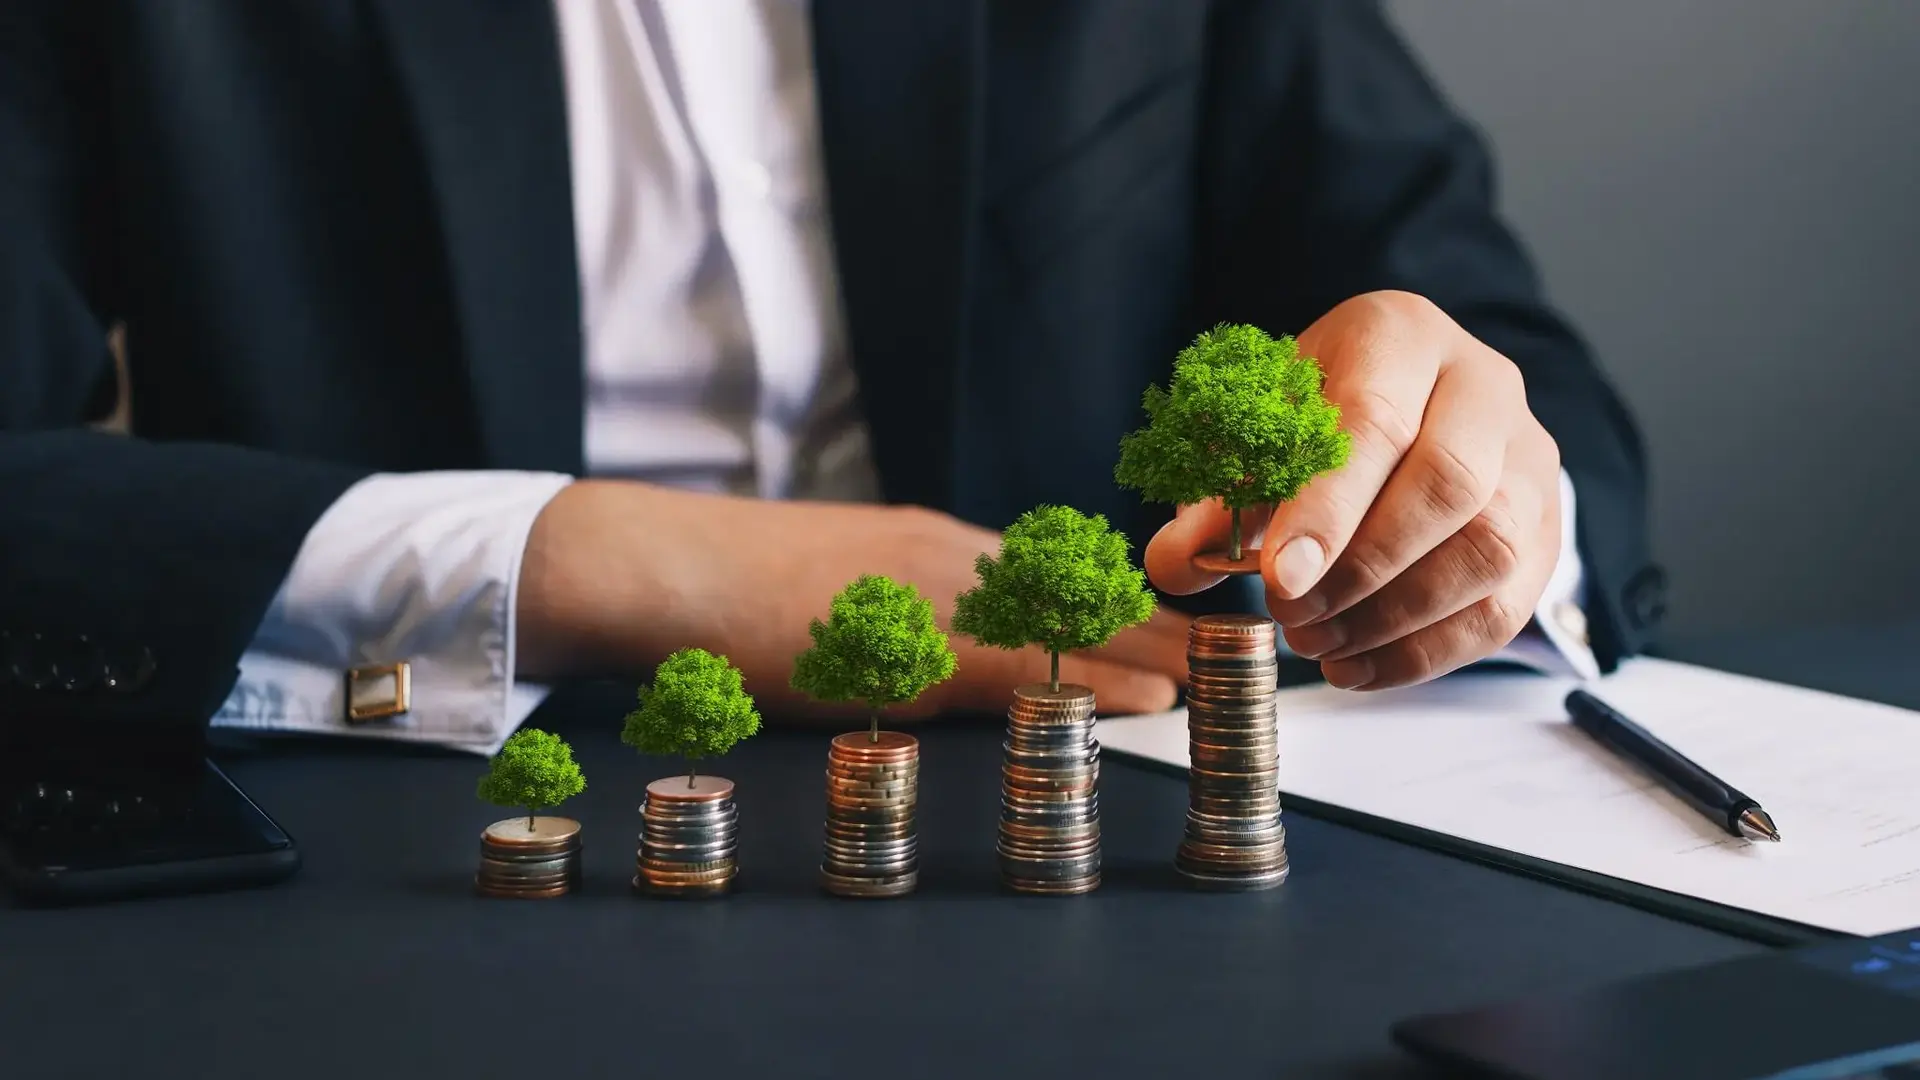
1756,825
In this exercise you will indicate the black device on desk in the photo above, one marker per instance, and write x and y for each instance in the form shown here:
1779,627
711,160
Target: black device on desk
92,813
1835,1011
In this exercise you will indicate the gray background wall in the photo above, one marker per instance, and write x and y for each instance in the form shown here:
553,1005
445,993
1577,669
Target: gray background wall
1725,196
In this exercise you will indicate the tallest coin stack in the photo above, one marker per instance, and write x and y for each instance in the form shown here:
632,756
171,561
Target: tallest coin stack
1234,837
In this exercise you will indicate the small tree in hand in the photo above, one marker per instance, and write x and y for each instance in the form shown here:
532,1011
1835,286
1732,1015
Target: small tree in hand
1244,420
534,770
879,645
1062,582
696,708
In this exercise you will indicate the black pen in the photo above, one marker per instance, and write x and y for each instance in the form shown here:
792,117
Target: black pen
1701,789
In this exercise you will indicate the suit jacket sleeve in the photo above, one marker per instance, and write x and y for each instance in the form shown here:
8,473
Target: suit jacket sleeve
133,574
1335,168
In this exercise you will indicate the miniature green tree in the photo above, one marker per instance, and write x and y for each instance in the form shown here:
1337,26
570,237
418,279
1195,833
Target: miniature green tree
533,770
696,708
1062,582
879,645
1244,420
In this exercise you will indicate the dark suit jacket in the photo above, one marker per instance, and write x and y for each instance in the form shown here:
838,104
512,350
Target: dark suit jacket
340,237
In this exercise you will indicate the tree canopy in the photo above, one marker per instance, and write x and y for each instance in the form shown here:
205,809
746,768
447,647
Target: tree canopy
879,644
533,770
1062,582
695,708
1244,420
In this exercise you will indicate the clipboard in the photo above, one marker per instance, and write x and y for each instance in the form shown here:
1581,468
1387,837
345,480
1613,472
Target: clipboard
1820,762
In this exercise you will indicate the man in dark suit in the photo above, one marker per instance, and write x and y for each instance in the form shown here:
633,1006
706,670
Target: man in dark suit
381,261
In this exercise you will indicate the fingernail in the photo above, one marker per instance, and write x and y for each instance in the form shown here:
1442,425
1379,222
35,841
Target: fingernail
1298,565
1316,641
1349,673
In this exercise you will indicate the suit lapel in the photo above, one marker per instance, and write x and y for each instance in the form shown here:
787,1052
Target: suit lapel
488,96
900,88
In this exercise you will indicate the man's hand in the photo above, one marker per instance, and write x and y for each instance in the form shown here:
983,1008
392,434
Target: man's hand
1429,550
617,575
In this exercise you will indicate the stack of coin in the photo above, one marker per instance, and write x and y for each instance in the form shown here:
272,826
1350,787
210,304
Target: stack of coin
687,838
1049,802
1234,837
873,789
529,862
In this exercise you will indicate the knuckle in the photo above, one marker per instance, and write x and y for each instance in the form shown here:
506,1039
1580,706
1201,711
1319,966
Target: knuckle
1452,488
1400,305
1493,540
1500,620
1507,378
1418,661
1544,446
1378,425
1367,567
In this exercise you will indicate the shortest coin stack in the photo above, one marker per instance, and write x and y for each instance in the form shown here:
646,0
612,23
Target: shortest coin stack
687,838
529,863
1049,802
873,789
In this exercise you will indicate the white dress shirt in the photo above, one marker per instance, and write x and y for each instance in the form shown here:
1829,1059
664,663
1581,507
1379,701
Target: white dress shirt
715,359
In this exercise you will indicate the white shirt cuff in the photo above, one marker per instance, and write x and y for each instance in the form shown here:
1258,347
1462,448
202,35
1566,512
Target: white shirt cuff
414,567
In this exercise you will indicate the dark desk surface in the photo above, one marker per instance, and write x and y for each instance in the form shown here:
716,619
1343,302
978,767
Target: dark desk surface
376,961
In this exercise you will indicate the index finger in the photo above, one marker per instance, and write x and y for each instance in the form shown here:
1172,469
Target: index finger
1381,384
1195,529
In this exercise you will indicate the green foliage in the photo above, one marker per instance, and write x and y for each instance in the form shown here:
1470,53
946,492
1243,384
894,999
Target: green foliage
879,645
1244,420
1062,581
534,770
695,708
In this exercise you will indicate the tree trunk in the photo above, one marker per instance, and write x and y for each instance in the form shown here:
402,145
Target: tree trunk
1235,512
873,734
1054,685
693,767
530,811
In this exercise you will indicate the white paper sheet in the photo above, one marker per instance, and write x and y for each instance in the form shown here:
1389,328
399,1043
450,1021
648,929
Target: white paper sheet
1491,758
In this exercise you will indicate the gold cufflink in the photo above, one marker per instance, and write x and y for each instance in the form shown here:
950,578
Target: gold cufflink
378,691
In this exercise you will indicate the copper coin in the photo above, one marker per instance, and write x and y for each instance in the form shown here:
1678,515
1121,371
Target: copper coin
1223,562
876,786
1030,834
1070,887
870,888
1018,869
892,746
658,875
547,832
705,789
1201,879
675,891
1231,623
497,893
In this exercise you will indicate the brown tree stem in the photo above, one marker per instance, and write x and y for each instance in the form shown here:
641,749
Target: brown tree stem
873,733
1054,684
1235,512
692,768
